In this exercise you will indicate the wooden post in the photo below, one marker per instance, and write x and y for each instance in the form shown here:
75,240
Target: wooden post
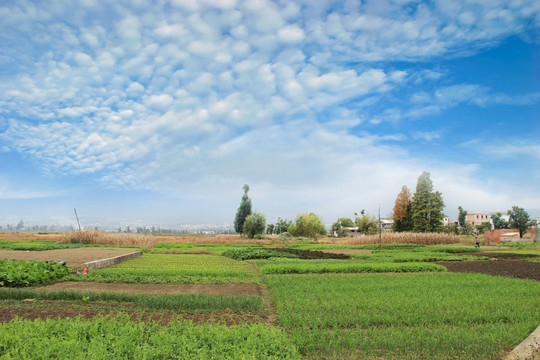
79,223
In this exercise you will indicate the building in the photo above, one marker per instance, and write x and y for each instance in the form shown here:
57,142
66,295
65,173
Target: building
475,219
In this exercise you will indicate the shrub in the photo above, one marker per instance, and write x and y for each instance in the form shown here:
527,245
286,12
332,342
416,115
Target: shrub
250,254
254,225
308,225
16,273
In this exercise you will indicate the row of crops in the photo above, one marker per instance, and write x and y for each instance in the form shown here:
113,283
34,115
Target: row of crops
392,303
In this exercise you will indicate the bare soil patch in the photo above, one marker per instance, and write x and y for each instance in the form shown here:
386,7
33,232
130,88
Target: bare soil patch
347,251
74,258
513,268
63,309
216,289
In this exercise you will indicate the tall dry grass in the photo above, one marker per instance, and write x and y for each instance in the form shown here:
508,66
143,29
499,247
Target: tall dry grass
104,238
399,238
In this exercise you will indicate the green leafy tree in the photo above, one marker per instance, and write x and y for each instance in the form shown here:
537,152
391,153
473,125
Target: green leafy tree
244,210
519,219
282,225
462,216
270,229
366,224
254,225
340,226
402,211
427,206
308,225
499,222
482,228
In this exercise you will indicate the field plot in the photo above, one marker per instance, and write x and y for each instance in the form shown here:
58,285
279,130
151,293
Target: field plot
74,258
120,338
175,268
410,316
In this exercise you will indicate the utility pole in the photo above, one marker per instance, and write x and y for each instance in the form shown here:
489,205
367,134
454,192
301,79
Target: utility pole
380,228
79,223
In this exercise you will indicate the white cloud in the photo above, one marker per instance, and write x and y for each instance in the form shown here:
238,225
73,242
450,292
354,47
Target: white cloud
229,91
291,34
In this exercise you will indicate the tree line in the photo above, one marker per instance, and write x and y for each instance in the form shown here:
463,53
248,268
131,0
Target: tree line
422,211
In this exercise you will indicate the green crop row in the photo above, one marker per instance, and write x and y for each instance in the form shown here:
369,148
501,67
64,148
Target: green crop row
347,267
135,276
118,338
173,302
33,245
413,316
16,273
185,263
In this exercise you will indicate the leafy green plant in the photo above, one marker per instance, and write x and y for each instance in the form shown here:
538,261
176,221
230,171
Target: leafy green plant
17,273
119,338
256,253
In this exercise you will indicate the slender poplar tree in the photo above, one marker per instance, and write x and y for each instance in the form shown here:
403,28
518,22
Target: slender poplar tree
244,210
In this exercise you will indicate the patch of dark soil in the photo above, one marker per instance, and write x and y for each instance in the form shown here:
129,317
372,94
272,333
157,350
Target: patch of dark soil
60,309
496,255
512,268
218,289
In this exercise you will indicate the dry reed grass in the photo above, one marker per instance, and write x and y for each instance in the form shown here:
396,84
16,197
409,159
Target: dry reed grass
104,238
398,238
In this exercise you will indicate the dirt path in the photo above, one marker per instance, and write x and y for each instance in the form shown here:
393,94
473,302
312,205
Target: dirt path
74,258
218,289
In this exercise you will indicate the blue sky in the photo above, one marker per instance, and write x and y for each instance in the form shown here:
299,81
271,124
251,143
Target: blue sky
158,112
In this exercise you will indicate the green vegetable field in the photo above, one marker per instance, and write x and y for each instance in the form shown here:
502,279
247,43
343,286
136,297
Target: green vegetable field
390,302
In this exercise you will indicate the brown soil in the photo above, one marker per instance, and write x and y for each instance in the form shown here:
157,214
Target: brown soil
347,251
32,310
74,258
218,289
514,268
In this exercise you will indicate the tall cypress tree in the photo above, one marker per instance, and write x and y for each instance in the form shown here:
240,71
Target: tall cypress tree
427,206
244,210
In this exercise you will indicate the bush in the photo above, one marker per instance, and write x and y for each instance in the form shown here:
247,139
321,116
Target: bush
254,225
250,254
308,225
16,273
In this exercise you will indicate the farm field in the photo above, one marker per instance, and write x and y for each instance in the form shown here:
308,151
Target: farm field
285,305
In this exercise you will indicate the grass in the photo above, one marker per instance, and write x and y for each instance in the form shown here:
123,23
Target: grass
310,267
435,316
174,302
33,245
174,268
118,338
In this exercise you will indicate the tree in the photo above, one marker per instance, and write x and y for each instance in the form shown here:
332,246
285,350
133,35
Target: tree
244,210
519,219
499,222
308,225
282,225
402,210
254,224
482,228
427,206
366,224
340,226
462,216
270,229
